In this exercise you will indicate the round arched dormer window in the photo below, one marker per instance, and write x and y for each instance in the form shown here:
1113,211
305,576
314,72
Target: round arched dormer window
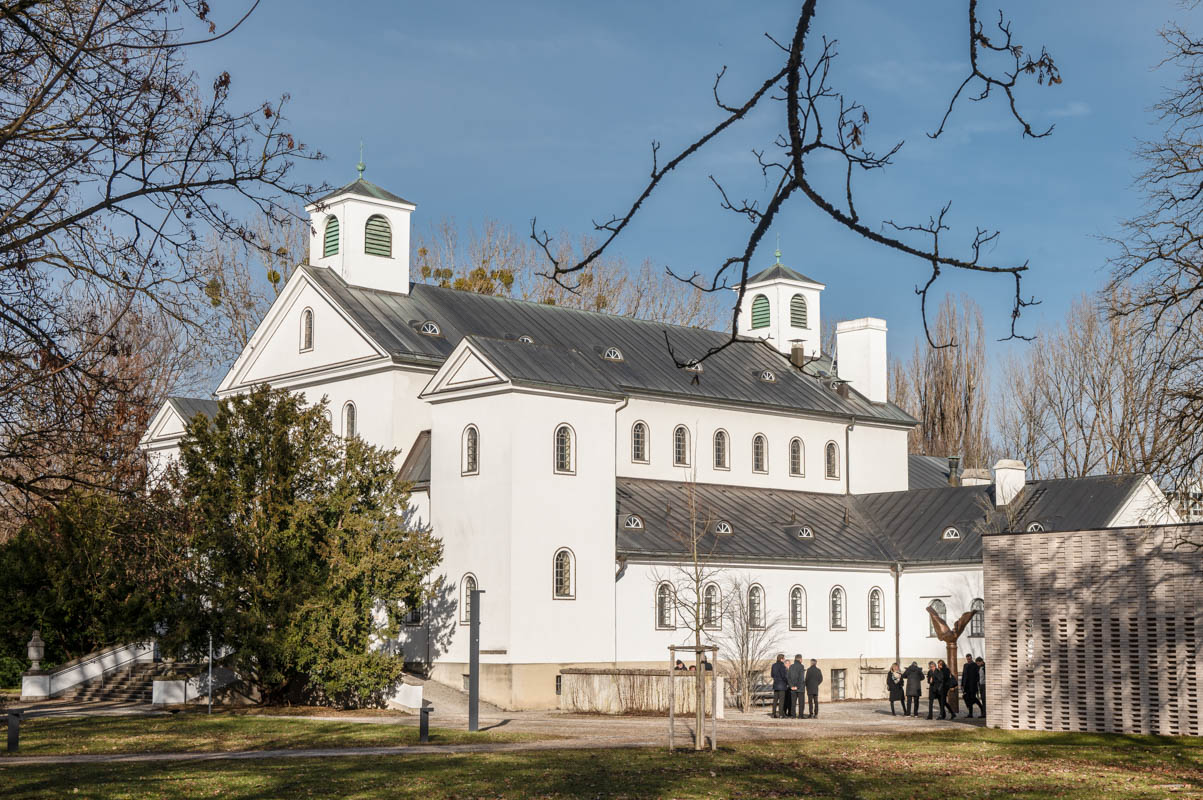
723,528
430,328
951,534
694,368
806,532
1035,527
526,339
612,354
768,376
633,522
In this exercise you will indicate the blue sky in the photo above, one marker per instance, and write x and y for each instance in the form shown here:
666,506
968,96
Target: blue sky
480,110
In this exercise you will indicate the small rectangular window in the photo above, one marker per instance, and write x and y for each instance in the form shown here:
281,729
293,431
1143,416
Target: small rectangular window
559,684
838,687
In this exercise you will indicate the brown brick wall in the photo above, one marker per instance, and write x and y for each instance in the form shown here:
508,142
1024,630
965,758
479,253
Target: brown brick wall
1095,630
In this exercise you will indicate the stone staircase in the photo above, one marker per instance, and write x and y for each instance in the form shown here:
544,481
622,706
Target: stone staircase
132,685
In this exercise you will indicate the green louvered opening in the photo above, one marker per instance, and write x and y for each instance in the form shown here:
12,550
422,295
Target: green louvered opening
330,247
797,311
760,312
378,237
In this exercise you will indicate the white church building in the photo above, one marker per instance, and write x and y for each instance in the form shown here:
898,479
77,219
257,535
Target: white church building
553,451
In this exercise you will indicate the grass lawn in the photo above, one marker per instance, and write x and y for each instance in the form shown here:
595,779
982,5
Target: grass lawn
200,733
970,764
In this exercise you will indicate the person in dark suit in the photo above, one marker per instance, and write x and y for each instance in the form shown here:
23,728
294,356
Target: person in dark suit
797,686
894,687
814,677
780,676
935,688
970,686
913,676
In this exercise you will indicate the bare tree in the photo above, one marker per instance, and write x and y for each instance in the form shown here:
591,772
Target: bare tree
748,640
946,388
694,526
495,260
1093,397
818,123
115,160
1161,257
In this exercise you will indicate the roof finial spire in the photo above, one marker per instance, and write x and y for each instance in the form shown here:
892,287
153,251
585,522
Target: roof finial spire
777,253
360,167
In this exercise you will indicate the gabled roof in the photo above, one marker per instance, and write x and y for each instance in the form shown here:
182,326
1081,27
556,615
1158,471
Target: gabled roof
885,527
779,271
189,407
730,376
548,365
365,189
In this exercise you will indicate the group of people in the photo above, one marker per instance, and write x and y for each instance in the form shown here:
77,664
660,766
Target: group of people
795,685
907,686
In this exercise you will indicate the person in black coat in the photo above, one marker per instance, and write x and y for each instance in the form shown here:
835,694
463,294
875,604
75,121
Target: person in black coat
797,687
935,688
780,676
970,686
913,677
981,684
949,686
894,685
814,677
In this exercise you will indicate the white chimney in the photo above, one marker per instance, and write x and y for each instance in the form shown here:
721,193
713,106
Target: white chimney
975,477
1008,480
860,348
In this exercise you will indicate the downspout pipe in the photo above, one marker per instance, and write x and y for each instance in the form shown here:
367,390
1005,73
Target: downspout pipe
848,456
897,613
618,573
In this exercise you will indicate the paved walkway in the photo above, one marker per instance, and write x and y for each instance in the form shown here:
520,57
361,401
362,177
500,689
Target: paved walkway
563,731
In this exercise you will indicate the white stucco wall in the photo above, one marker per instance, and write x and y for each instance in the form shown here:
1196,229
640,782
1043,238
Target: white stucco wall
918,587
1147,506
780,332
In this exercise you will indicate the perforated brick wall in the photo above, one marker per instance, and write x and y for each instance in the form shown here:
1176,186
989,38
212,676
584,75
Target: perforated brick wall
1095,630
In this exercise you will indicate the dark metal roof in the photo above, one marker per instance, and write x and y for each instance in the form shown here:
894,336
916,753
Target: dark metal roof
927,472
548,365
882,528
758,517
364,189
779,271
732,376
416,469
189,407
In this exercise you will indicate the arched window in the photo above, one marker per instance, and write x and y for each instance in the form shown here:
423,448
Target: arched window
760,311
633,522
467,586
940,609
349,421
565,459
876,611
470,457
797,465
833,460
723,528
307,330
760,453
612,354
378,237
664,607
639,442
330,239
839,608
681,446
977,625
797,311
562,578
797,608
721,459
710,607
756,607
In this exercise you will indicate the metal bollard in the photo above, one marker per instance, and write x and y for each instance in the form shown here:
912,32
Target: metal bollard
424,724
14,731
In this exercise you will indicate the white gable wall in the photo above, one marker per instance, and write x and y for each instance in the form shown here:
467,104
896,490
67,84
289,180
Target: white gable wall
1147,506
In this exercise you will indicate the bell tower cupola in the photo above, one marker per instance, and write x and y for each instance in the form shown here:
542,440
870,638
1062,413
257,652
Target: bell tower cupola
782,305
362,232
